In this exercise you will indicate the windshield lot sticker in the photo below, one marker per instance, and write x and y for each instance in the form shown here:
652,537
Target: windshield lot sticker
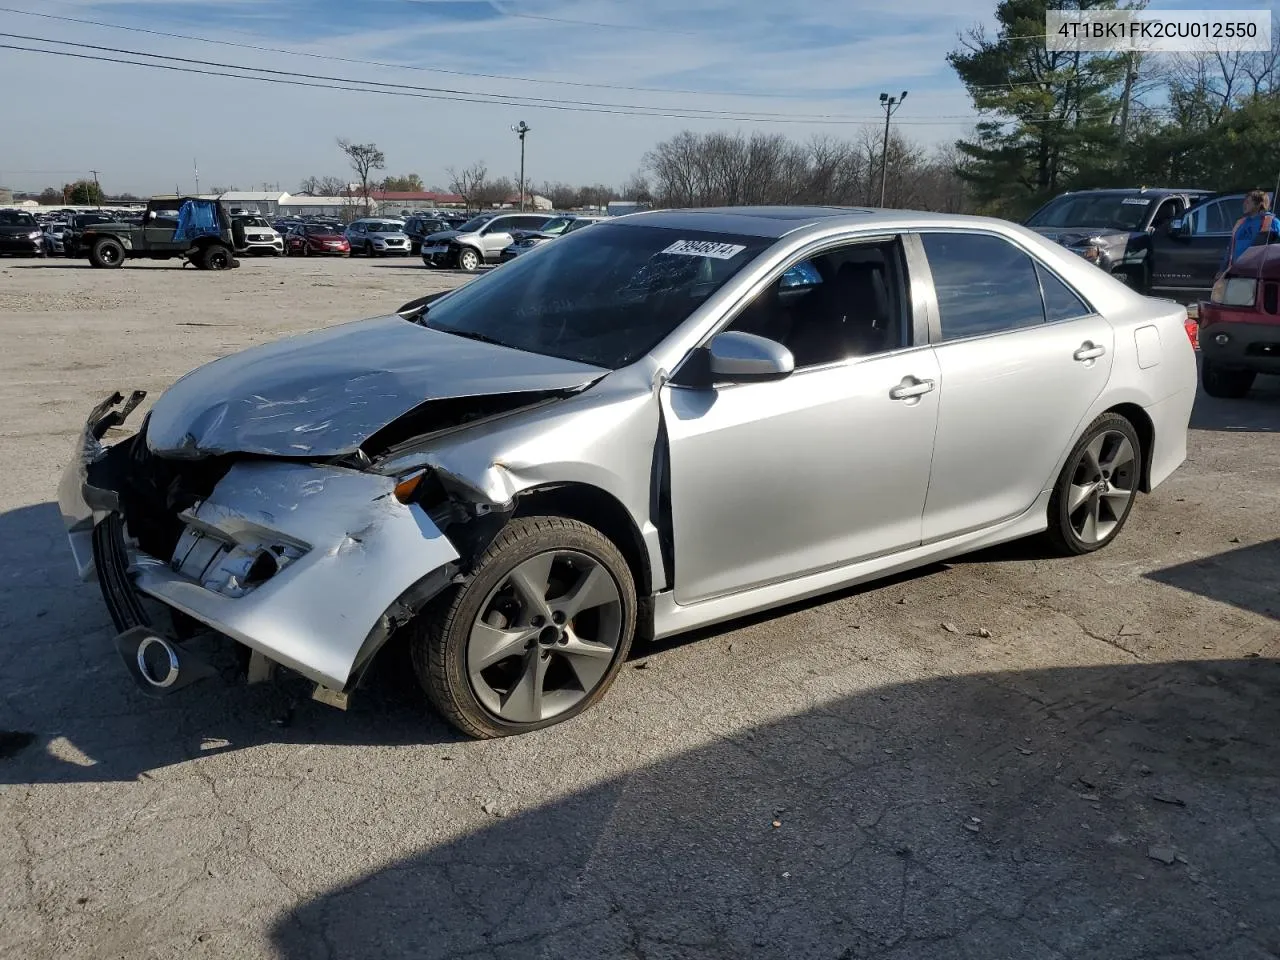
1139,201
705,248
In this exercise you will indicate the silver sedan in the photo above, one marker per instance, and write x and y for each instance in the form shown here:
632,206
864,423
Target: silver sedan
732,409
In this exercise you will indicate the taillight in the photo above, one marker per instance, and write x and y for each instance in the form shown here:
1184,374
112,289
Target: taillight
1193,333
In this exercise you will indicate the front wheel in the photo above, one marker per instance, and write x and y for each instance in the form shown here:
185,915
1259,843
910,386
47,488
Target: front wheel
1096,489
107,253
469,259
1225,384
534,635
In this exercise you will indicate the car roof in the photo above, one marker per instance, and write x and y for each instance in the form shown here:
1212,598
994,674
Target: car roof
776,222
1145,191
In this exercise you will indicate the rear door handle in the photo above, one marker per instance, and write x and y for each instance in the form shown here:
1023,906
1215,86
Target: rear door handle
1089,351
910,387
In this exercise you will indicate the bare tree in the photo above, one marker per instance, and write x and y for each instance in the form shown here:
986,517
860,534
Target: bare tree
323,186
492,193
730,169
364,159
468,182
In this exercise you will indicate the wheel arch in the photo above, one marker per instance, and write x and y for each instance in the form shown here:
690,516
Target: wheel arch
1146,432
597,508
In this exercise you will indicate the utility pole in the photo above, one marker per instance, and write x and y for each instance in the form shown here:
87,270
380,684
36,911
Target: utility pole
891,105
1130,74
98,187
520,130
196,167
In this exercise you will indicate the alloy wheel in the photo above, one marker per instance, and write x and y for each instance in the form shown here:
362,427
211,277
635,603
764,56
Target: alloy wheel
1103,483
545,637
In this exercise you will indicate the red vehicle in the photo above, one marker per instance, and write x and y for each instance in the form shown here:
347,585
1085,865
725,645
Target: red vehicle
1240,324
316,240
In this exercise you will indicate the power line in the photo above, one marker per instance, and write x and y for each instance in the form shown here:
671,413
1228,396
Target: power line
460,73
325,82
402,66
523,100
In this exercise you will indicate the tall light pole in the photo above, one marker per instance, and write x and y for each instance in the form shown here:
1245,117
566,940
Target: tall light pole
891,105
98,187
520,130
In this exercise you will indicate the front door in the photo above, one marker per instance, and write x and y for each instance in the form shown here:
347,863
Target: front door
1189,262
159,228
496,237
829,465
1021,360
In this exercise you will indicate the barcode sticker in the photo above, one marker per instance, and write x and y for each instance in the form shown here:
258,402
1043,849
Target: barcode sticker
705,248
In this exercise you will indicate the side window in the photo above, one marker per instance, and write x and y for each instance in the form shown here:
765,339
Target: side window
531,223
1213,218
1060,301
1168,210
847,302
984,284
500,225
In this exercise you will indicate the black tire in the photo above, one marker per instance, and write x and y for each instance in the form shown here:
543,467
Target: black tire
306,249
440,635
216,257
469,259
368,249
1225,384
1061,532
107,253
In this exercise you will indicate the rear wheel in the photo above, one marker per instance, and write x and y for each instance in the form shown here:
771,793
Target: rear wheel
534,635
1225,384
1096,489
469,259
216,257
106,253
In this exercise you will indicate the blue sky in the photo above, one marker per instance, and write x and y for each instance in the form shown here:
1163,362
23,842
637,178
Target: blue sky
142,129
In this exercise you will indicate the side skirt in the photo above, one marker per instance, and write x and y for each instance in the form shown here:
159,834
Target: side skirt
670,618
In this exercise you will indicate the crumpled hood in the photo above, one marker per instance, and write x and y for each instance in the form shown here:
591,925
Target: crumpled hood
441,236
324,393
1077,236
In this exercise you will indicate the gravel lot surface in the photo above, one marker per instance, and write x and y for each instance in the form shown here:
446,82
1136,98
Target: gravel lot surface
1005,757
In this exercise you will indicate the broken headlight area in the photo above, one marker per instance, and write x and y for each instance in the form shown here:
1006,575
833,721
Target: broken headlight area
222,553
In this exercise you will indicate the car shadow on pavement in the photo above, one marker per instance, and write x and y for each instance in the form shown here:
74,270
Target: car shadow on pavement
1244,578
1093,812
1259,412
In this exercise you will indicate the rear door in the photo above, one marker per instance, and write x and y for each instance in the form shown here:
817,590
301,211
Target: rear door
1188,262
1021,359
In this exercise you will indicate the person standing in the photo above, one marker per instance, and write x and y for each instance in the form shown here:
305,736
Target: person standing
1257,222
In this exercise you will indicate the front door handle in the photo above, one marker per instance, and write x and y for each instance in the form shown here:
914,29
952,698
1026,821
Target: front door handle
1089,351
910,387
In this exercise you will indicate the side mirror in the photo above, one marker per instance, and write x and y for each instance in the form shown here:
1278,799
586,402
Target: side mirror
738,357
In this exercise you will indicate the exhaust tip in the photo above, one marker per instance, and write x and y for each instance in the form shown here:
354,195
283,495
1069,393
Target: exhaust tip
158,665
157,662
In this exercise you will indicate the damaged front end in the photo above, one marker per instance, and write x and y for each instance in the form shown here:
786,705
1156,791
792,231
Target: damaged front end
311,565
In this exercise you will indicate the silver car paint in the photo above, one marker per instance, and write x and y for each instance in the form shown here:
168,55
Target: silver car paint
862,494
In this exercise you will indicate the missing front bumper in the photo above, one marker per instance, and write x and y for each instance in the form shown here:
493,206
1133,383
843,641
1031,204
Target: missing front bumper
359,561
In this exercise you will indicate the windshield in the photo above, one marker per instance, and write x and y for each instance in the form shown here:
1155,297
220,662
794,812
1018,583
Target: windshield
606,298
254,222
1117,211
384,226
557,226
318,229
474,224
16,218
